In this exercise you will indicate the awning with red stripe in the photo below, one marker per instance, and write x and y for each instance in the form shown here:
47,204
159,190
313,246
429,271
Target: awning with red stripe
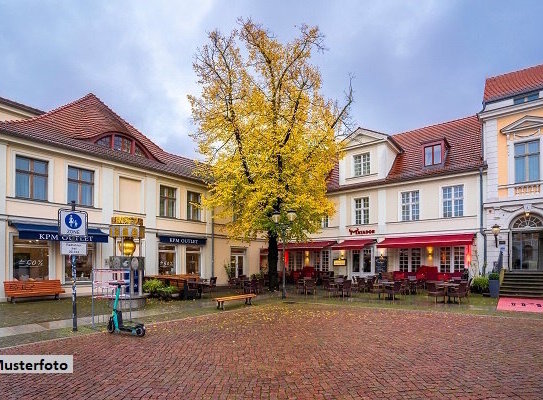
316,245
461,239
353,244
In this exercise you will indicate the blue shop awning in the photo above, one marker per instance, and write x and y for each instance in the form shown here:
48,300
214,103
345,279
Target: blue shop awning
50,232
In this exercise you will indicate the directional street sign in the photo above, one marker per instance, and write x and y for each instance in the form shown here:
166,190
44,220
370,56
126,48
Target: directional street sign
72,223
73,249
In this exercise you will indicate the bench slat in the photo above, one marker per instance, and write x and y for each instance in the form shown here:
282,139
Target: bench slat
237,297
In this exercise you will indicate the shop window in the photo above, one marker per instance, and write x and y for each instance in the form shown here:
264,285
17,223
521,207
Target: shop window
193,260
367,260
453,201
80,186
166,259
30,260
361,164
445,259
30,178
362,211
410,206
527,161
194,201
356,261
167,201
83,265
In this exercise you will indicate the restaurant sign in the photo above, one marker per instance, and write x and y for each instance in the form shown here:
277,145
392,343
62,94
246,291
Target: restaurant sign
340,262
357,231
195,241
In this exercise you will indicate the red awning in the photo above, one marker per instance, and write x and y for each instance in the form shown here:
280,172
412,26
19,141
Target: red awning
303,246
353,244
308,245
461,239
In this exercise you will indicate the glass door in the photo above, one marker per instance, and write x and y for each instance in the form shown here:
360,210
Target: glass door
526,251
237,264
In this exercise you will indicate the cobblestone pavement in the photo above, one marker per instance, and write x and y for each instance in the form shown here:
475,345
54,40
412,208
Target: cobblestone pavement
299,351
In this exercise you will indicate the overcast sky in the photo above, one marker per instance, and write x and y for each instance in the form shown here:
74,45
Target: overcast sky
415,63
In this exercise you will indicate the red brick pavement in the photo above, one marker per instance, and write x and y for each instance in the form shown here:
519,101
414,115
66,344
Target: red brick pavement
300,352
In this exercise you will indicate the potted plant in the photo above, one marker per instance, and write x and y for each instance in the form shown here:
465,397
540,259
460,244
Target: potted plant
230,272
494,284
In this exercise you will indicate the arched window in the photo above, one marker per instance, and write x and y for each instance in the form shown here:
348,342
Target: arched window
122,143
524,222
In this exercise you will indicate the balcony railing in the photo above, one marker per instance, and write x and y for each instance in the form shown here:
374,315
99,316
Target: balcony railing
526,189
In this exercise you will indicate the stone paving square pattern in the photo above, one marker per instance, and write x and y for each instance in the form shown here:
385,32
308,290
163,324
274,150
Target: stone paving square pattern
300,351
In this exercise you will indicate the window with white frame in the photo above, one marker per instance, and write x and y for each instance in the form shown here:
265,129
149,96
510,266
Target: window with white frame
356,261
404,260
299,260
362,211
410,206
324,222
459,262
367,260
415,259
445,259
361,164
317,257
453,201
325,260
452,259
527,161
410,259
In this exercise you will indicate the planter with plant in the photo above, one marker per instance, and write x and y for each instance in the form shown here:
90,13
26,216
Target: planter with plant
494,284
167,292
153,287
479,284
230,272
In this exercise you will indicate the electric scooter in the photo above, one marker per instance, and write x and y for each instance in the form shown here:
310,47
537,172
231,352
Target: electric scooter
116,325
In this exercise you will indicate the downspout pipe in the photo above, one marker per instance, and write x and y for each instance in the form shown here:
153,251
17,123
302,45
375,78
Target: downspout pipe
481,214
212,242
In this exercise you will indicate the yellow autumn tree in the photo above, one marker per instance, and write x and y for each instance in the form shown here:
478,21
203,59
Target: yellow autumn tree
267,134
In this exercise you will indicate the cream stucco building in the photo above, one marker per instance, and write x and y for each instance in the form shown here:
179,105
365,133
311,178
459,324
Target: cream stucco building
85,152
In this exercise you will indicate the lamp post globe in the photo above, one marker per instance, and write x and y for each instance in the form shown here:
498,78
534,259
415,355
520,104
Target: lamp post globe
496,232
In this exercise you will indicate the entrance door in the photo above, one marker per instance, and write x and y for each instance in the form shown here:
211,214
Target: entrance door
236,263
526,251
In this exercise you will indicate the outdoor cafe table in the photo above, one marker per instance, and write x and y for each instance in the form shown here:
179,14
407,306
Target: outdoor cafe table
446,286
383,285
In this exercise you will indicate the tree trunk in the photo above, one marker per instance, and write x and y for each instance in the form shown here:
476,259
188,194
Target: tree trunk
272,260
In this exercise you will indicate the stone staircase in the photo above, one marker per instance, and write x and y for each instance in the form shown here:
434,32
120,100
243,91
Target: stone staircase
527,284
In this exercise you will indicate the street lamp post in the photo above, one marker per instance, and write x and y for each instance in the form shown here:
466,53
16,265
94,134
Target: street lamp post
496,232
283,226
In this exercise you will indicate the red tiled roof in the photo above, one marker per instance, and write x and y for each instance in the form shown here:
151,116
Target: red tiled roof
21,106
74,125
513,83
463,137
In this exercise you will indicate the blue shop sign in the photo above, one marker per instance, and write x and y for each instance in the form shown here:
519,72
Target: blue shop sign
194,241
50,232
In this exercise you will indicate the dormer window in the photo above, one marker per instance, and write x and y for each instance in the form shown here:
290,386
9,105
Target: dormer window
122,143
433,154
361,164
526,98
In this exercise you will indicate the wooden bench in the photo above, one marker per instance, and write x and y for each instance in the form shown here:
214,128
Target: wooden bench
247,297
15,289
